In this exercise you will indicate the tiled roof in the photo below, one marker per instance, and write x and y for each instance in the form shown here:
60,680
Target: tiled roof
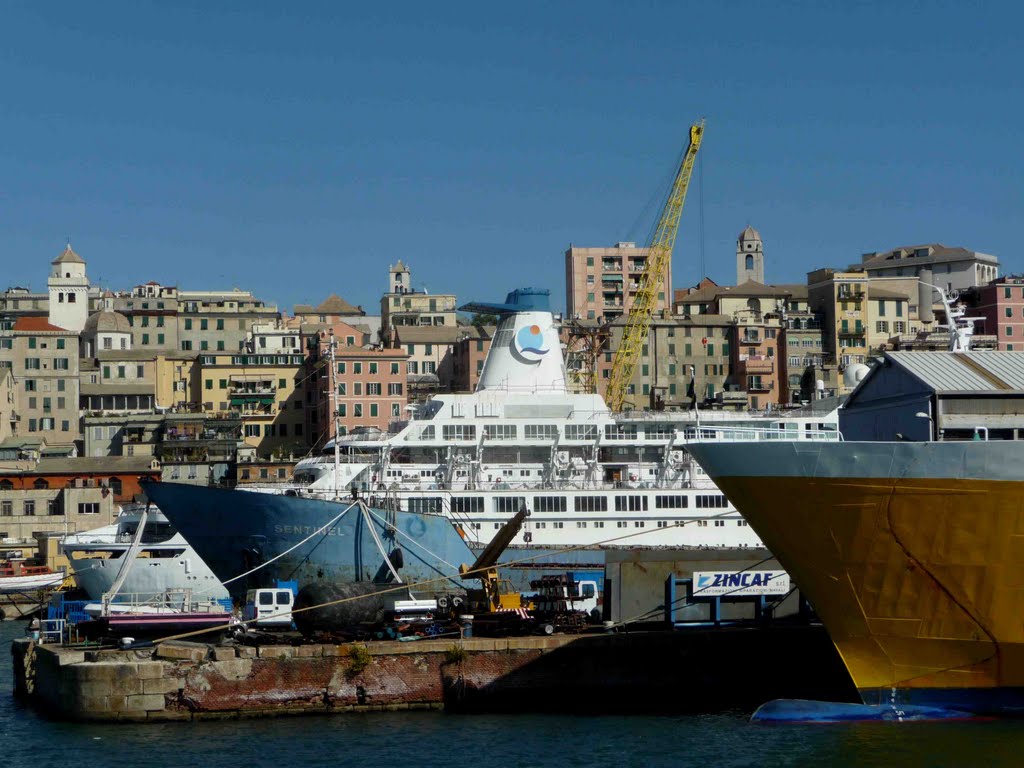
37,325
68,257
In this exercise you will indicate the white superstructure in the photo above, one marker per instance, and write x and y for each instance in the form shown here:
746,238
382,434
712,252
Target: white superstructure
165,560
587,476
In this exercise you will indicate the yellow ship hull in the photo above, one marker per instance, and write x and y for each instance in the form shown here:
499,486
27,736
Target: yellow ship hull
919,580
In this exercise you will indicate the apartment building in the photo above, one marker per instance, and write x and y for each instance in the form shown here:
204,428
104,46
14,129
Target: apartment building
758,367
268,392
44,362
950,268
371,388
601,283
469,354
1001,303
404,307
431,354
890,316
677,348
334,310
841,300
152,313
219,321
66,495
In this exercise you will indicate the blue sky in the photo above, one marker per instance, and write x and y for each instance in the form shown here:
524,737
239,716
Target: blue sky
298,149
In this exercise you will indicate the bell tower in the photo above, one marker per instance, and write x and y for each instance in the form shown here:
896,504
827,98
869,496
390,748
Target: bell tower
749,256
69,291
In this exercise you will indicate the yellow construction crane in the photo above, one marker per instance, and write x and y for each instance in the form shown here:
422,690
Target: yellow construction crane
659,255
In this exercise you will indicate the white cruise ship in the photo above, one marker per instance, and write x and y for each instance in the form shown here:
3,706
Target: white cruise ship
589,477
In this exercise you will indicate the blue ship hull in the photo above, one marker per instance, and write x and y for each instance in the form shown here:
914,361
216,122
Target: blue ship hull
235,531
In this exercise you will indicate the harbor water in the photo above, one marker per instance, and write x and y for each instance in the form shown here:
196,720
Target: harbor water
531,741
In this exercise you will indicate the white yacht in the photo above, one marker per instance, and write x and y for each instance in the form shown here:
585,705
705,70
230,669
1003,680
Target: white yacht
588,476
165,561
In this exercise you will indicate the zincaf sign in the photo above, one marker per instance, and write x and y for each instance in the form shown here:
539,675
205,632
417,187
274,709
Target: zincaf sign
740,583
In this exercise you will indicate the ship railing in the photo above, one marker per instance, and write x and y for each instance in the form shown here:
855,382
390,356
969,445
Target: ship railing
720,433
52,630
171,600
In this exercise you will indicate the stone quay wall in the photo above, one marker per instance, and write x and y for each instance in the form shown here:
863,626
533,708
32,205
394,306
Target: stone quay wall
655,671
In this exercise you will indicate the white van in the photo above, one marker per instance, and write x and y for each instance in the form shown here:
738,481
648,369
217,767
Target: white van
269,608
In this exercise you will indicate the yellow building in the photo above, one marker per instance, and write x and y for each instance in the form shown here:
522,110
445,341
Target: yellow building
841,300
176,382
267,391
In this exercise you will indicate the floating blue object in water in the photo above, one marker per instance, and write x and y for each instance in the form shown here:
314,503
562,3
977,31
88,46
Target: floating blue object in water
804,711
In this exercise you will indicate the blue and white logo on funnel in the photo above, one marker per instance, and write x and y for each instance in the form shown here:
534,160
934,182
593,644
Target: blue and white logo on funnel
530,343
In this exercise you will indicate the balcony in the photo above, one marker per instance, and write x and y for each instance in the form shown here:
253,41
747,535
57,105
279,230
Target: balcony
750,338
759,384
611,265
756,364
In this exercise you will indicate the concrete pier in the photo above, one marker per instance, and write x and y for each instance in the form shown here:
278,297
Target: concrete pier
691,671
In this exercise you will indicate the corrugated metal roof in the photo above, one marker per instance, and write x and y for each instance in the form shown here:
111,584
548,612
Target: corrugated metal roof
1008,366
965,372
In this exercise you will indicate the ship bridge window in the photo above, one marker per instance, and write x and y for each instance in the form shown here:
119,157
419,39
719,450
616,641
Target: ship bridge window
459,432
429,505
500,431
630,503
580,431
677,501
591,503
541,431
620,431
509,504
463,504
549,504
712,501
659,431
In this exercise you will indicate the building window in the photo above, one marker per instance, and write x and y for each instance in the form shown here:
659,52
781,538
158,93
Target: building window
357,410
89,508
6,508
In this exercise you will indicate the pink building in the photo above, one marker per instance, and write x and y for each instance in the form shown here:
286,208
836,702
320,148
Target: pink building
1001,303
370,388
602,282
469,355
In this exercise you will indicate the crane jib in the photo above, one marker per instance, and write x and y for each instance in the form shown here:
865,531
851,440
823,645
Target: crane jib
638,322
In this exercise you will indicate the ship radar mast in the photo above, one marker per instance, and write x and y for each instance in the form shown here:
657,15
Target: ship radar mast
961,328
